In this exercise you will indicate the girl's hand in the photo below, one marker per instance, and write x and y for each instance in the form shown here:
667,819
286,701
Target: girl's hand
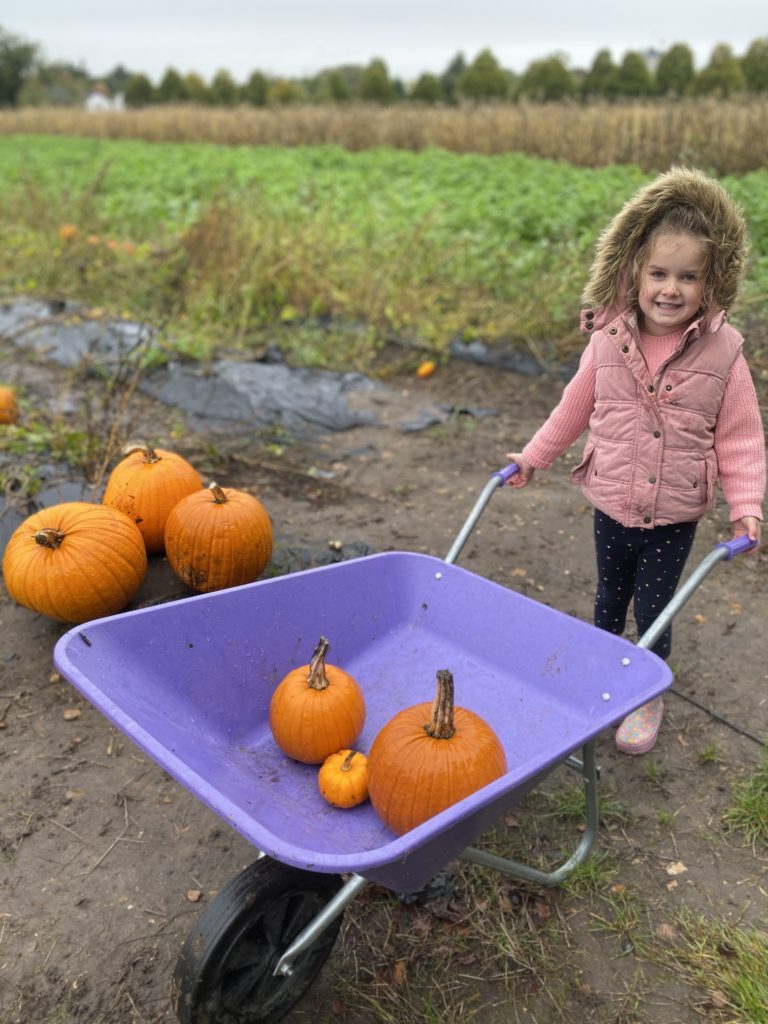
524,470
746,527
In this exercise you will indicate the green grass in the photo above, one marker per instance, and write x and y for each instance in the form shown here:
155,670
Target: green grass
749,812
228,246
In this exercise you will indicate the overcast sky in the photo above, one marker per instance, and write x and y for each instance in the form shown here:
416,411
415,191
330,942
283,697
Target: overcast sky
300,37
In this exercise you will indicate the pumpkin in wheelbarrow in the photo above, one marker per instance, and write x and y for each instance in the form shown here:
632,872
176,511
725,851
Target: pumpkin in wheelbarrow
428,757
316,710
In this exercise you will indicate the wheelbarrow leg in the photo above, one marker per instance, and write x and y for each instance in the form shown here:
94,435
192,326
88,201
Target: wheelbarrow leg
588,770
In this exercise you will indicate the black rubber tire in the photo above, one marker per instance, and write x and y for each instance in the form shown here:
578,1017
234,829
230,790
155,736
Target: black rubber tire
224,971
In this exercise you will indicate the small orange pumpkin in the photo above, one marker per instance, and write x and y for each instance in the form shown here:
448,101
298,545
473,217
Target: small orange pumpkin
146,484
427,758
75,561
9,407
218,537
316,710
343,778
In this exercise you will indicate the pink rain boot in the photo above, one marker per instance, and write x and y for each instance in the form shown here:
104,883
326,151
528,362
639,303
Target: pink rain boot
639,731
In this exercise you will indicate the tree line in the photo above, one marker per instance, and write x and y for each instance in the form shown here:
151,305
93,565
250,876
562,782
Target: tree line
27,80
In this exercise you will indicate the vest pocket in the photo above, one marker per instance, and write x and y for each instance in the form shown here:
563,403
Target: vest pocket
583,471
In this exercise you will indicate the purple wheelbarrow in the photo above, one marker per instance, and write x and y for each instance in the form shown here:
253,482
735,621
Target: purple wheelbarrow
190,682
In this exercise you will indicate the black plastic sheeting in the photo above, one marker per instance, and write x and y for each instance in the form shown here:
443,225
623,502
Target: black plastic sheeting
262,393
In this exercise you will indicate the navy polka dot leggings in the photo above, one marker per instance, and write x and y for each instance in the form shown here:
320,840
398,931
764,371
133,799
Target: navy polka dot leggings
640,565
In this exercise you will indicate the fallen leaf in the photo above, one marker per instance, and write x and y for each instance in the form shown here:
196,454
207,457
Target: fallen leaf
667,933
194,895
699,618
671,886
511,821
519,572
676,868
682,740
399,971
54,677
719,999
618,888
70,714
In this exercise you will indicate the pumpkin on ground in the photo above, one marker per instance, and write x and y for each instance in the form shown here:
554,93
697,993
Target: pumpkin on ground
9,407
146,484
428,757
75,561
343,778
218,537
316,710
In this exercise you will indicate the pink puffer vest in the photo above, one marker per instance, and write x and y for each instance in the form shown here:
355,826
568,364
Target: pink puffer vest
649,458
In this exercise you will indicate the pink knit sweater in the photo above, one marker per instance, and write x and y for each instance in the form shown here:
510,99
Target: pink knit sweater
739,443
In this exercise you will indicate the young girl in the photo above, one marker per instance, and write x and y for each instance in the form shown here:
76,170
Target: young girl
668,399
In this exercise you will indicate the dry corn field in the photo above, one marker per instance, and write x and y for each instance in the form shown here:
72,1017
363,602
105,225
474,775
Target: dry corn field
723,136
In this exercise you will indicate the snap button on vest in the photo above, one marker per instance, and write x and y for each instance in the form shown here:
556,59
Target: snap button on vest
612,330
651,387
668,387
646,519
651,479
657,433
625,348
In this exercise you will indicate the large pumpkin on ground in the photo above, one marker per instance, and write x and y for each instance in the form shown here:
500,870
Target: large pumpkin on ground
316,710
430,756
218,537
146,485
75,561
9,407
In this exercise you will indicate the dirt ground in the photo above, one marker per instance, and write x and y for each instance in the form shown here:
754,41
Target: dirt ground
106,862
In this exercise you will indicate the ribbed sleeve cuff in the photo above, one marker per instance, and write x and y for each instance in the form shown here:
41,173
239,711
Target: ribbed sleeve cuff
740,511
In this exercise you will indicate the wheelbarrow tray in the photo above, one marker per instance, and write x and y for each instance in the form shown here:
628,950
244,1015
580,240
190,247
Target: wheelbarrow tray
190,683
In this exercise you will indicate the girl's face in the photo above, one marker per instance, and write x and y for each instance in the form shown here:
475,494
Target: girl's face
671,284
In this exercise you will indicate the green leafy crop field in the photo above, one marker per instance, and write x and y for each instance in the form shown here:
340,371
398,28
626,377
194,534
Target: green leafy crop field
227,240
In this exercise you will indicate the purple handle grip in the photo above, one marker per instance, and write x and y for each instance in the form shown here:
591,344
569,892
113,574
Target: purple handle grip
735,547
504,474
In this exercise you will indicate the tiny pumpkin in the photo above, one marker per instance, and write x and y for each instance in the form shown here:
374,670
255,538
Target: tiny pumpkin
428,757
343,778
316,710
218,537
146,484
75,561
9,407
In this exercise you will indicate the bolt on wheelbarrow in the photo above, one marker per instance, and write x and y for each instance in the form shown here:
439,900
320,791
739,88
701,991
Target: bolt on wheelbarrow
190,682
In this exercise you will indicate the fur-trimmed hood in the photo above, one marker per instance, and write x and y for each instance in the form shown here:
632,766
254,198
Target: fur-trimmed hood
608,285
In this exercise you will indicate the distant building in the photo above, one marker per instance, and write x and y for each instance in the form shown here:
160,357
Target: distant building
652,58
99,99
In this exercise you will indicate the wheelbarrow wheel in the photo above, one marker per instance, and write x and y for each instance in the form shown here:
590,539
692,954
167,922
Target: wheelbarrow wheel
224,973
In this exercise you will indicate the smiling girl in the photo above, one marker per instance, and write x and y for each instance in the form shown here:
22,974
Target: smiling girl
668,399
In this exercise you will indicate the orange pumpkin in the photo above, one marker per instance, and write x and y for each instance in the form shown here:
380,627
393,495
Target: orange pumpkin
218,537
343,778
9,407
146,484
428,757
316,710
75,561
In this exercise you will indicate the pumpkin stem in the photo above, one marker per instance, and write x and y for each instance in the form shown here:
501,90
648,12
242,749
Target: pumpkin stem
49,537
150,455
219,497
441,725
347,763
317,678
